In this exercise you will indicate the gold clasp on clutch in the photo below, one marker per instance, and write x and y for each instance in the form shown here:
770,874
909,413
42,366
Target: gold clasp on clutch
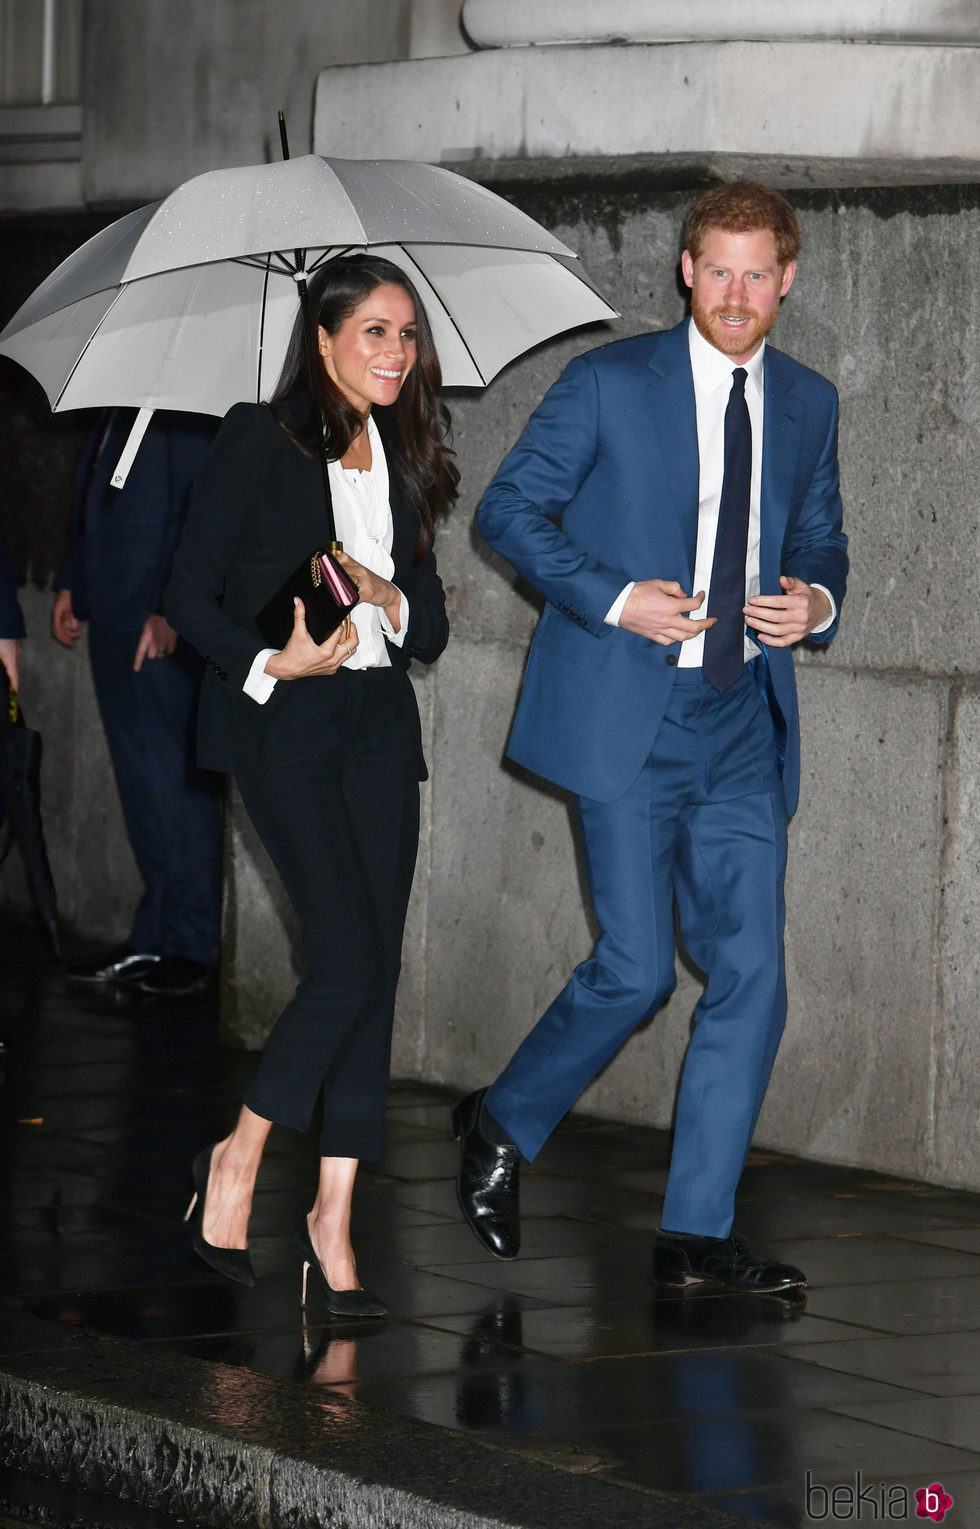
315,572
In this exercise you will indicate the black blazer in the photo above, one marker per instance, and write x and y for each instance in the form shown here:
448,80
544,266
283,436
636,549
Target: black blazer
256,511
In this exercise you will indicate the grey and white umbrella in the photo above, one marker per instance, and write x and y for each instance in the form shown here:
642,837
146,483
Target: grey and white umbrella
188,303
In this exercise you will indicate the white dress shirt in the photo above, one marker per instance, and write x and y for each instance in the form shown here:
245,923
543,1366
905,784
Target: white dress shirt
712,371
362,514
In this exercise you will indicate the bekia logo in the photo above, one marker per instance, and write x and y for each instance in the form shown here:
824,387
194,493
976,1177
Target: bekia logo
933,1502
874,1502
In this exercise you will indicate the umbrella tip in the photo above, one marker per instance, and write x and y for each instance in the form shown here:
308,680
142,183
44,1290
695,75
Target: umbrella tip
282,135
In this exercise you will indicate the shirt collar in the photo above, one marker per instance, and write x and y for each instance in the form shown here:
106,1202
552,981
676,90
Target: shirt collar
713,369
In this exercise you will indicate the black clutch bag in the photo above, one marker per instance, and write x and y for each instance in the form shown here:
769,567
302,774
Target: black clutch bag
328,595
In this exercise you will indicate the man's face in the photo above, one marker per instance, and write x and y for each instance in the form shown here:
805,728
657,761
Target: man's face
736,284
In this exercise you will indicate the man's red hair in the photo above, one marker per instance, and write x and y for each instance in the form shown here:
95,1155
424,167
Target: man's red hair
743,207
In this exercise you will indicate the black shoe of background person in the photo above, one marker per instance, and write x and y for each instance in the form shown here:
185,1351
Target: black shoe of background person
682,1259
176,977
121,965
487,1186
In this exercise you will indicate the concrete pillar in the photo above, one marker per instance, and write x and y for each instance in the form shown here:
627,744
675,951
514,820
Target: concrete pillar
523,23
436,29
821,92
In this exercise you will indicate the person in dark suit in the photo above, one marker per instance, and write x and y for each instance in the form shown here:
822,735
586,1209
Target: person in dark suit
12,629
323,741
675,500
120,550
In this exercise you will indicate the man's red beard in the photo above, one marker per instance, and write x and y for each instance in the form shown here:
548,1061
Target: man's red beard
733,342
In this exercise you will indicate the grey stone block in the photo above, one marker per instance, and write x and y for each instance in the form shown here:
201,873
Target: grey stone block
261,956
910,406
94,872
957,1061
505,892
854,1081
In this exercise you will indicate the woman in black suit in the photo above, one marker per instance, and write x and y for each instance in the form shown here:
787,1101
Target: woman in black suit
324,741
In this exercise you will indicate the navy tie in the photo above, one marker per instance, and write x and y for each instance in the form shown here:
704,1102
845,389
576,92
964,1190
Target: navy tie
724,643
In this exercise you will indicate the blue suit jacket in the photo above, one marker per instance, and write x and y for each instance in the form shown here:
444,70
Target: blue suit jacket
122,541
602,488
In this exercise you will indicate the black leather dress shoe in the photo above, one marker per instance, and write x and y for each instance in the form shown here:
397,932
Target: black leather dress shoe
680,1259
122,965
488,1183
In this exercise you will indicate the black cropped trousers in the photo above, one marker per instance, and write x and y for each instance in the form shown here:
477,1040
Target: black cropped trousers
333,794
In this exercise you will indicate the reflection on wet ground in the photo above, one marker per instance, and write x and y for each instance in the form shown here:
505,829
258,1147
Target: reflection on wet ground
568,1355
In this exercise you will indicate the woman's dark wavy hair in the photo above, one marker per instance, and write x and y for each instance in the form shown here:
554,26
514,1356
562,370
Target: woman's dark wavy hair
415,427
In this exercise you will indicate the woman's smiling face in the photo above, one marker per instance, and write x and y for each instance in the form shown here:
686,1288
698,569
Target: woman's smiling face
374,349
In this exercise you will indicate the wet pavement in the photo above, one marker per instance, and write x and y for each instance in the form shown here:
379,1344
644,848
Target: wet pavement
567,1359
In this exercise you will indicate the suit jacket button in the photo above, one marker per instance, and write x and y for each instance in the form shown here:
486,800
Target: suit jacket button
672,659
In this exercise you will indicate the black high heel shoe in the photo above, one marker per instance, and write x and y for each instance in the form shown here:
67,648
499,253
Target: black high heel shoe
340,1303
234,1263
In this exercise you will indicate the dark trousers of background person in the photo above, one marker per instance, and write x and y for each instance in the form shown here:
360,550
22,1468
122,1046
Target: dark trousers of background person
334,797
172,807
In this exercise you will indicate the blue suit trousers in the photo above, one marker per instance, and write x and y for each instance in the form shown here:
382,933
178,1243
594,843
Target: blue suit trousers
700,833
172,808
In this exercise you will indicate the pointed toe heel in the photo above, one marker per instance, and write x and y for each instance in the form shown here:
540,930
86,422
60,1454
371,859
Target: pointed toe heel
233,1263
339,1303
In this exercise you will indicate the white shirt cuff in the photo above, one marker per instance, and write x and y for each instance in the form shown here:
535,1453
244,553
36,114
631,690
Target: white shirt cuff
616,609
398,638
824,625
259,685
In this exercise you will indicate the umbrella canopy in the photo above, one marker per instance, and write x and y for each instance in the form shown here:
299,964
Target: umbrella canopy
188,303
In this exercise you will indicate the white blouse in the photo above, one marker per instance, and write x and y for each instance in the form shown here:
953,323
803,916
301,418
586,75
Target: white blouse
362,515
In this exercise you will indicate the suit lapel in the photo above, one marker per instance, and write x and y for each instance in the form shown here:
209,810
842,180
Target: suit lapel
670,425
782,428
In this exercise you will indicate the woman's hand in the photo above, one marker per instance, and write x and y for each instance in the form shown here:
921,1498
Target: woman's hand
9,654
302,656
372,589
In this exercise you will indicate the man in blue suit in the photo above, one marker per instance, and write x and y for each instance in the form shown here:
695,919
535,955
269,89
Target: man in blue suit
675,500
146,681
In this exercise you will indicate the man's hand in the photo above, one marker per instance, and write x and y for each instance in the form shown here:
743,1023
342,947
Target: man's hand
9,654
657,608
65,625
780,620
157,639
302,657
